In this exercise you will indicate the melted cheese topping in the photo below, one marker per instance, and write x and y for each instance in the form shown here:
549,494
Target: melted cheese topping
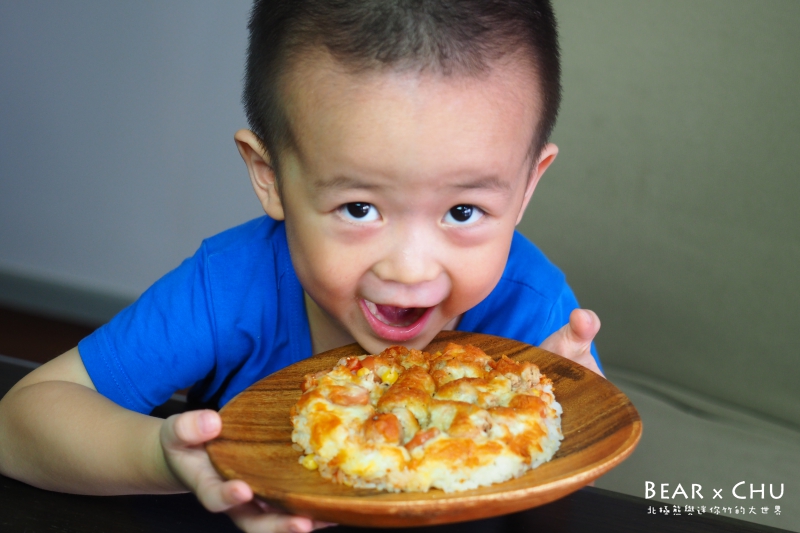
410,420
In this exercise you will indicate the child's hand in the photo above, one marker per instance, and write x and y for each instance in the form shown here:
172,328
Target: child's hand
574,340
182,439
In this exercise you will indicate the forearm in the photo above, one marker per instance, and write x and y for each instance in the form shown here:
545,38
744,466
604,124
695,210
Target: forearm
64,436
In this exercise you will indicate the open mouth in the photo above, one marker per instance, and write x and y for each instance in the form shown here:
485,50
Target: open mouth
397,317
393,323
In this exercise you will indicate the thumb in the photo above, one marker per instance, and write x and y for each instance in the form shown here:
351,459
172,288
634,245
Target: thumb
191,428
576,337
583,326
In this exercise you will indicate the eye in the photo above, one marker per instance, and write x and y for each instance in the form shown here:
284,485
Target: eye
359,212
463,215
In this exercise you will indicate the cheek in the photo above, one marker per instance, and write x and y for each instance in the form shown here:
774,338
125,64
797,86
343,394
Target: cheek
329,272
475,277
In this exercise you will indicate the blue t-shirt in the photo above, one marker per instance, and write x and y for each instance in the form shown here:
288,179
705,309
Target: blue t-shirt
234,313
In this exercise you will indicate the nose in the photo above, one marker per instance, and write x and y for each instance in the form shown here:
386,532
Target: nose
411,257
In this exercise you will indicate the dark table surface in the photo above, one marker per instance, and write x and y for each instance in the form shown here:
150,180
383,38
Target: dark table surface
28,509
32,510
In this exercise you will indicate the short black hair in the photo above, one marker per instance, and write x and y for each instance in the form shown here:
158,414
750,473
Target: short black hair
447,36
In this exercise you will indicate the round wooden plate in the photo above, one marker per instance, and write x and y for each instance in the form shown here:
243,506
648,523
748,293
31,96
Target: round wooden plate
600,425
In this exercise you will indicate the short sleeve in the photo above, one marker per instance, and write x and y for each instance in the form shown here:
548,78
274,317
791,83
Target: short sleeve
161,343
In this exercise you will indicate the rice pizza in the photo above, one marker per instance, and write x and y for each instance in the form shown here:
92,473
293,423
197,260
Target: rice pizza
408,420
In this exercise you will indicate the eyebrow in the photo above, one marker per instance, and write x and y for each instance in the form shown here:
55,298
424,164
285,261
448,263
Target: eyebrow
348,182
342,182
488,182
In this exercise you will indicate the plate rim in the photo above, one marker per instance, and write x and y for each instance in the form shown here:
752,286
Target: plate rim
412,511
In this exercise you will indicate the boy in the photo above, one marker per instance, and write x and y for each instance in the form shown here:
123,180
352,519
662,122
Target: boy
394,146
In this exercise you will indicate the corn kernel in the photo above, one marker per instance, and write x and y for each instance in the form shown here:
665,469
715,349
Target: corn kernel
309,462
362,372
390,377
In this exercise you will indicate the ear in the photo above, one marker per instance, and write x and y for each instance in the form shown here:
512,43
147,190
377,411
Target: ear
262,173
546,157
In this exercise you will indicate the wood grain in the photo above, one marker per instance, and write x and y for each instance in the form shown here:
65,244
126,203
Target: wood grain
600,425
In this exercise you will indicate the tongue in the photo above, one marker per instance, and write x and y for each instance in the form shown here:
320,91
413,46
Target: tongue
399,316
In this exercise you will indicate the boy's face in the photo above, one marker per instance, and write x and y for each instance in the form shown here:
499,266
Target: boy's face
402,193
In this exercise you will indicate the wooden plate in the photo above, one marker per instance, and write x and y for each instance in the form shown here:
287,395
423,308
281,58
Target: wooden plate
600,425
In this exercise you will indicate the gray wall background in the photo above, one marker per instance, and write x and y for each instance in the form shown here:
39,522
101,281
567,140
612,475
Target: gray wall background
672,207
116,137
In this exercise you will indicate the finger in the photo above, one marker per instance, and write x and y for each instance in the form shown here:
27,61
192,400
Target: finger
267,508
576,336
191,428
584,324
218,496
574,339
252,519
